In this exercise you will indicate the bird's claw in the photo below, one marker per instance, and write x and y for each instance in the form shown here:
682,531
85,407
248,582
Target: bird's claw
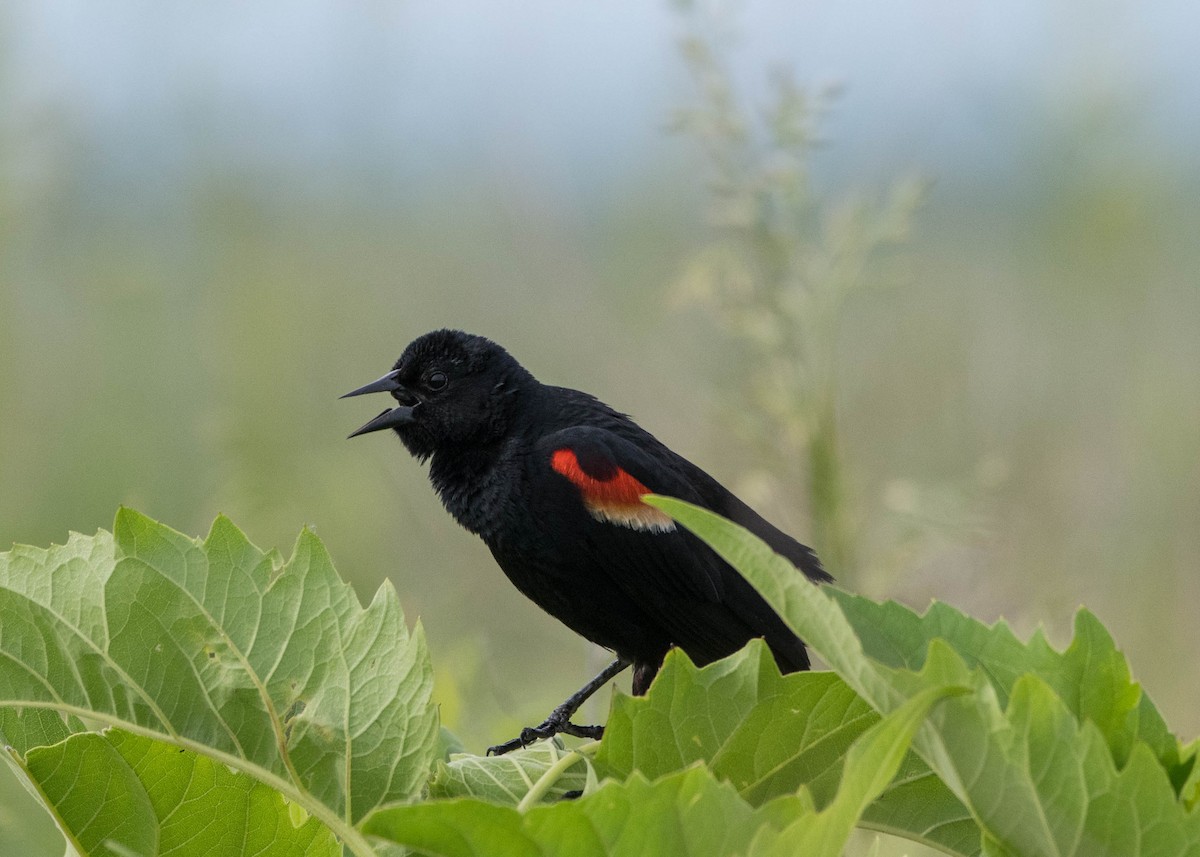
551,727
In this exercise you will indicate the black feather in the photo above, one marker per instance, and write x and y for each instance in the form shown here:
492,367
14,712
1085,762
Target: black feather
491,434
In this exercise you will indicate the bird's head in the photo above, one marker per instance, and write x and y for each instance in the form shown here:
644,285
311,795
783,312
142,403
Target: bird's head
454,390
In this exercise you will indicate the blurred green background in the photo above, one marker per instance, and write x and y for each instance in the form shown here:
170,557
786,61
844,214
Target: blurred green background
214,221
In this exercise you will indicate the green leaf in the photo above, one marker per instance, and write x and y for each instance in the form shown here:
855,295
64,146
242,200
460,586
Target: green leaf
34,727
509,778
216,647
688,813
1053,753
448,744
766,733
870,766
1091,676
118,793
1189,771
918,806
769,734
457,828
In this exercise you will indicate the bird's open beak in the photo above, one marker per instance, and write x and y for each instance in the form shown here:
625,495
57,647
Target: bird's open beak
387,384
398,416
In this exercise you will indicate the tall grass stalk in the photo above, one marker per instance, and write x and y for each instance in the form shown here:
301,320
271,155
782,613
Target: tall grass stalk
775,275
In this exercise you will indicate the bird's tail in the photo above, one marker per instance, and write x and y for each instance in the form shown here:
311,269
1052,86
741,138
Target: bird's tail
789,651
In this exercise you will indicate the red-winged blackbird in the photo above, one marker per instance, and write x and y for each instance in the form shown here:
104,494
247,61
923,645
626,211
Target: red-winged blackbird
551,479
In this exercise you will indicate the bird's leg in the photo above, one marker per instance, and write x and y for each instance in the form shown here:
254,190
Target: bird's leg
560,718
644,673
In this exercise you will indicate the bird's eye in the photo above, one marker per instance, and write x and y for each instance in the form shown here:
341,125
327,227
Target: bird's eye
436,381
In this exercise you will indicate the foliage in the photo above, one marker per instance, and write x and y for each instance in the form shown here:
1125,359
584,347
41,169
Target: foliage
1052,753
781,263
213,648
164,695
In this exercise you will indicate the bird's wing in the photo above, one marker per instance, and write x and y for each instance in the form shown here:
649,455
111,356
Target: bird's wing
696,486
705,606
611,468
610,474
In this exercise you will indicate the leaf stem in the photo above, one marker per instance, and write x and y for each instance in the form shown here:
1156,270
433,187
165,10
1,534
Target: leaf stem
553,773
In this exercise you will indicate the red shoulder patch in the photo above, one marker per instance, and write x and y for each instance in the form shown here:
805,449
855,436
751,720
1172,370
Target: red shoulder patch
616,499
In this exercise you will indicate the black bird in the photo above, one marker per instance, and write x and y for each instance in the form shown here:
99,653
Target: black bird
551,479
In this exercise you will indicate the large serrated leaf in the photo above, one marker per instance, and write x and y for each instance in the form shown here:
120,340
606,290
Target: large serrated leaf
688,813
215,646
116,793
684,813
1054,753
1090,675
871,764
917,805
768,734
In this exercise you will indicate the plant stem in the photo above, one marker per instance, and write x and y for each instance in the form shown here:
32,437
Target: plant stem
830,517
548,779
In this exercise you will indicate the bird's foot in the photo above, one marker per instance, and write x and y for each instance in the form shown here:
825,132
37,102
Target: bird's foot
553,725
559,721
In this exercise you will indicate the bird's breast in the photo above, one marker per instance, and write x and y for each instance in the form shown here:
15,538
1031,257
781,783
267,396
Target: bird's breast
480,488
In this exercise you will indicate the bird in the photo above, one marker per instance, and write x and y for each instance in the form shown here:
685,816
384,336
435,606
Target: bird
552,479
